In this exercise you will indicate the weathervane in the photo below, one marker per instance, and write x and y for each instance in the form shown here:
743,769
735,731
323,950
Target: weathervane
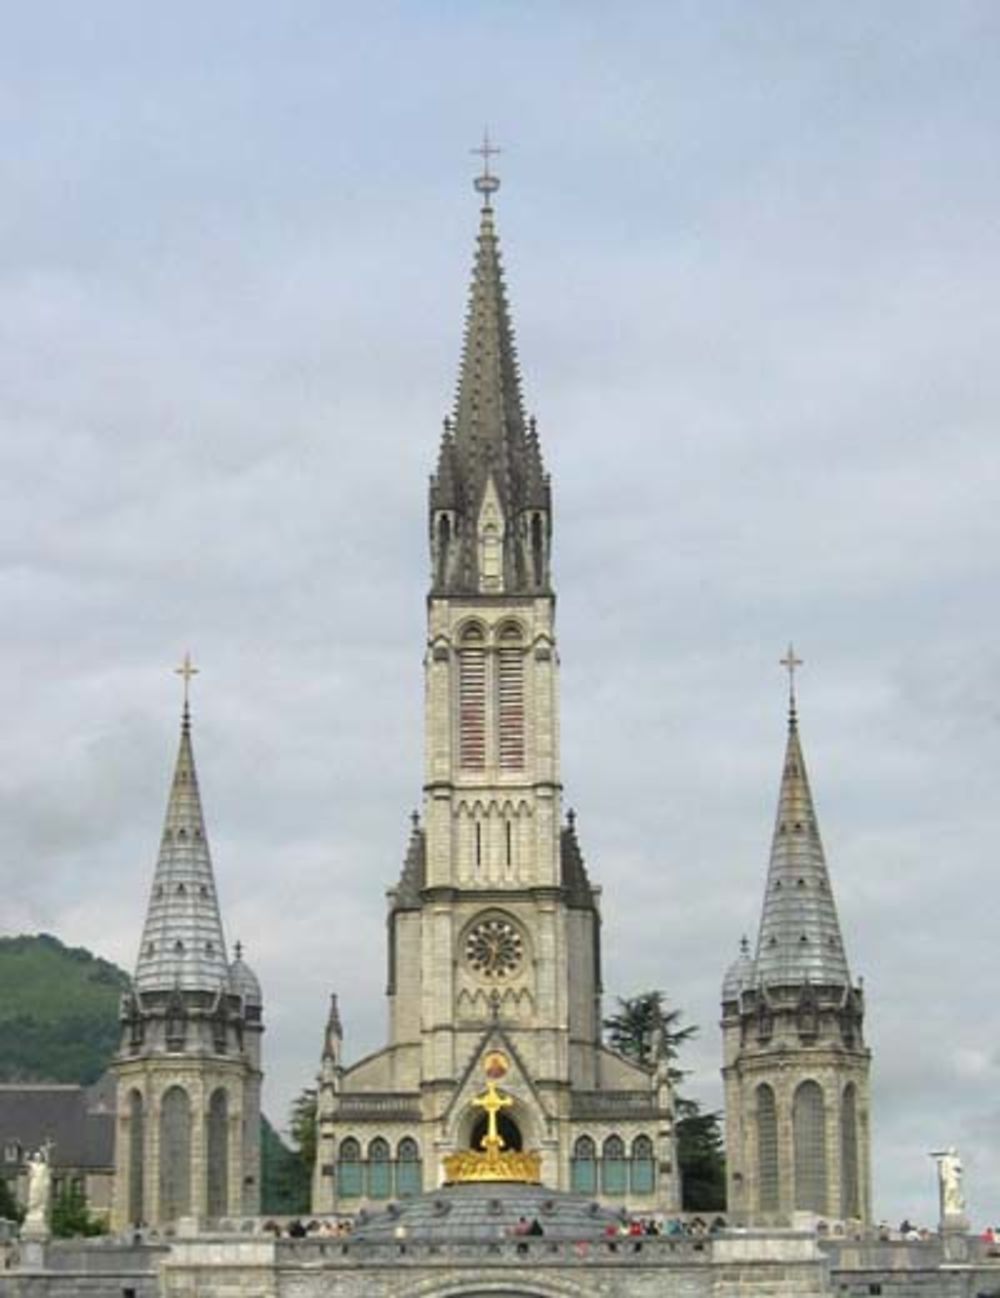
186,670
790,663
487,183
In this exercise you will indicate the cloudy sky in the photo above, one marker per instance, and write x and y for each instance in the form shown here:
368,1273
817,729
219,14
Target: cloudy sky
752,253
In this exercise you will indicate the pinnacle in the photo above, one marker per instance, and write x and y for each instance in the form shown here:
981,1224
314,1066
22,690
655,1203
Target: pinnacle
800,939
183,946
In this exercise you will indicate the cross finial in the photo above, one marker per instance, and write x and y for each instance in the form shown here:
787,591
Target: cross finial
790,664
486,184
186,670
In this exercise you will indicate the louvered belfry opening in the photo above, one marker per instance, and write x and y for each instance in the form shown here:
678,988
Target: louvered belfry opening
510,699
175,1154
472,700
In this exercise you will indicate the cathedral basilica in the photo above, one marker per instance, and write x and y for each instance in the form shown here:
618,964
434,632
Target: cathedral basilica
493,928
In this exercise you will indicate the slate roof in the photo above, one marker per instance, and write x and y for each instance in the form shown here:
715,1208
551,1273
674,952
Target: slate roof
183,945
78,1120
488,435
800,939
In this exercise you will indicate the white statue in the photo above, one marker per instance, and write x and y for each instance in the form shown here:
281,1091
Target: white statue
36,1220
950,1182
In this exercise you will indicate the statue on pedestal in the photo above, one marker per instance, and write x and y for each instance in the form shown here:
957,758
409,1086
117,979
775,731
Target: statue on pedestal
952,1196
36,1221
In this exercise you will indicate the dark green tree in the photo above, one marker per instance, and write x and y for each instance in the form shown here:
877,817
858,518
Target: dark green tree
70,1215
647,1030
285,1181
9,1207
302,1125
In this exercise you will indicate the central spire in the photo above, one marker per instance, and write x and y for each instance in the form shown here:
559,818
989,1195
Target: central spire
489,500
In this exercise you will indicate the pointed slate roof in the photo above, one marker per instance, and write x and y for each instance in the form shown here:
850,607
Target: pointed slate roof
800,939
488,435
183,946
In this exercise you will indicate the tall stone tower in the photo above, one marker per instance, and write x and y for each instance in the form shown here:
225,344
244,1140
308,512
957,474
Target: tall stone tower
188,1073
494,926
795,1062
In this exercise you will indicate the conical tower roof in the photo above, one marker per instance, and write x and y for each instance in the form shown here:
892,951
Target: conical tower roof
183,946
800,939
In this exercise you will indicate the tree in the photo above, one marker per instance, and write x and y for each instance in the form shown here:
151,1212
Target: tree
70,1215
9,1207
303,1126
285,1181
645,1030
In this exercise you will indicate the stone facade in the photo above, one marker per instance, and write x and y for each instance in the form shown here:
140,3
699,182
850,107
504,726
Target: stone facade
795,1065
494,927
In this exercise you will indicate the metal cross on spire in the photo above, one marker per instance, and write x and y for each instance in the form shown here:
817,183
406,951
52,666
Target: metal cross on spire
486,184
186,670
790,663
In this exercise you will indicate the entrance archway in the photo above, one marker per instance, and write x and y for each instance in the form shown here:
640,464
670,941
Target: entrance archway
509,1131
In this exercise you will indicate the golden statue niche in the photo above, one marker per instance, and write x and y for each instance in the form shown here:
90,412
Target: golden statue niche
492,1162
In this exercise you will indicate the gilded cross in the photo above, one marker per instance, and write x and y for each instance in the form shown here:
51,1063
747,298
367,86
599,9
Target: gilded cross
492,1102
487,183
790,663
186,670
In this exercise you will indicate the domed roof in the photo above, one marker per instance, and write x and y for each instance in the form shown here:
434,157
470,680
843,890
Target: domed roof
485,1211
243,980
741,973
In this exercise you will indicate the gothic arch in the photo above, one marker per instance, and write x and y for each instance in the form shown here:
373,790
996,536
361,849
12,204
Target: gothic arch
850,1195
809,1138
768,1182
217,1166
175,1154
136,1157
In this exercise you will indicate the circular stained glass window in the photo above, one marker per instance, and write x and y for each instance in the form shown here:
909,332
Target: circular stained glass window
494,949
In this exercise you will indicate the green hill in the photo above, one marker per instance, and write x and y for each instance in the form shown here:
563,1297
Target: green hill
58,1011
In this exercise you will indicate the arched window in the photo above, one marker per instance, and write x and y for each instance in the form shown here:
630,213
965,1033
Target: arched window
379,1169
136,1158
850,1199
472,700
349,1169
408,1169
614,1168
767,1150
642,1174
809,1135
218,1154
510,699
583,1166
175,1154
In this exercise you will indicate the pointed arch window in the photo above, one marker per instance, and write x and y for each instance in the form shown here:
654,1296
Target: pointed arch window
850,1199
379,1169
583,1166
767,1150
175,1154
510,699
809,1135
349,1167
642,1171
614,1168
218,1154
472,699
136,1158
408,1168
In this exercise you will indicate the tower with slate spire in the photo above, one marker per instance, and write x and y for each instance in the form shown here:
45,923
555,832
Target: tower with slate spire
494,926
188,1072
796,1067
